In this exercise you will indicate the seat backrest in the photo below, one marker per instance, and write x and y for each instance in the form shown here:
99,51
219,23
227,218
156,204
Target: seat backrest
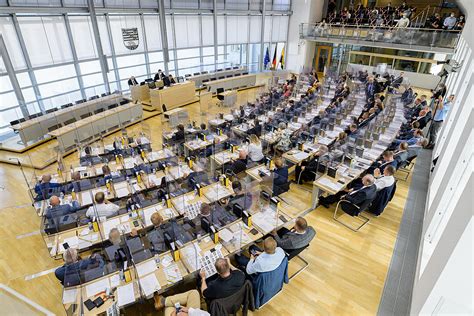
294,252
220,90
232,304
268,284
381,200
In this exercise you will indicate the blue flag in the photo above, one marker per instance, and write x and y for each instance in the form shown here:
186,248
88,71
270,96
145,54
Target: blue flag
267,59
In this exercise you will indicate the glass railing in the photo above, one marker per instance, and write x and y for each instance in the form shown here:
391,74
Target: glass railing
403,36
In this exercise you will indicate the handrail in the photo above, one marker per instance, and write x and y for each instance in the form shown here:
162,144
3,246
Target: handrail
408,36
368,26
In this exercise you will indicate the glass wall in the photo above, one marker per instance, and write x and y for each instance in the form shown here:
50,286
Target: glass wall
56,59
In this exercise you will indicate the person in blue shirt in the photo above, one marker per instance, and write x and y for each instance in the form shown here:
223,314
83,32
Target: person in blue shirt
69,274
44,188
280,177
56,209
262,261
441,113
417,135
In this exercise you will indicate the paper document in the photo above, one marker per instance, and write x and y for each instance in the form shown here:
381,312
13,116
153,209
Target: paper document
114,280
69,296
266,220
146,267
108,225
166,260
226,235
150,284
335,186
86,198
173,274
125,294
97,287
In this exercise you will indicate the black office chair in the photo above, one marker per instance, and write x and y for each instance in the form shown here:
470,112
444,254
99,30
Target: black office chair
112,106
245,73
353,211
99,111
79,101
32,116
14,122
236,67
223,77
229,76
228,68
94,97
204,72
83,116
180,79
70,121
196,74
163,107
54,127
296,253
205,80
213,79
219,70
187,75
51,110
219,96
103,95
123,102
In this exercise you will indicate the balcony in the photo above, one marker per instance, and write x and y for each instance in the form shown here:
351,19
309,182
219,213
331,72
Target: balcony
418,39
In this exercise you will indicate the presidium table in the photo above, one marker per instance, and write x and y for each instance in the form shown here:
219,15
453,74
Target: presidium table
92,127
177,95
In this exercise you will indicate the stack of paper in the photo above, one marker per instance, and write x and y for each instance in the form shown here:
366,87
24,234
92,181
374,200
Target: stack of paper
96,287
125,295
69,296
109,224
173,274
149,284
335,186
146,267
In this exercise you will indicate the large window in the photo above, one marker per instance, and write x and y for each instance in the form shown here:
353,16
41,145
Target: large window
58,61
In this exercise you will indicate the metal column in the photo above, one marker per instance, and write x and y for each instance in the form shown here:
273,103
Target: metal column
164,34
102,59
216,51
11,74
74,56
262,37
112,51
145,45
34,83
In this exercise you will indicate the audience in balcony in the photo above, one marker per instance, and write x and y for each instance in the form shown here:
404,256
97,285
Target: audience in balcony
389,16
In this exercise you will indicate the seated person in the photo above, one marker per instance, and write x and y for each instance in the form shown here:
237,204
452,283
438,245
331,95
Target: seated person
352,131
256,129
414,150
307,170
284,144
56,209
228,281
353,195
179,135
75,182
386,179
401,154
240,164
298,237
45,186
387,160
102,207
244,199
280,176
189,302
74,265
255,151
262,261
204,129
171,79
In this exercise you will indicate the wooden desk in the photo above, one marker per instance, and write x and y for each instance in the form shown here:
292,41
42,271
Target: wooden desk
232,83
140,93
174,96
38,127
198,79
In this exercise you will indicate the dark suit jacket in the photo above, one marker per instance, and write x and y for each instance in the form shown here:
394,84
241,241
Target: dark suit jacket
166,81
280,176
158,76
132,82
239,166
359,196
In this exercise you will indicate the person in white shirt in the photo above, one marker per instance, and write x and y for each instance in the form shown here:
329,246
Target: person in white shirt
259,261
189,302
404,21
255,152
386,180
102,207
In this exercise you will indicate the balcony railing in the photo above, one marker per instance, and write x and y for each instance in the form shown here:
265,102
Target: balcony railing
420,37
